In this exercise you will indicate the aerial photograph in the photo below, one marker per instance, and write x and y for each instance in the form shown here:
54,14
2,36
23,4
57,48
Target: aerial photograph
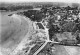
39,27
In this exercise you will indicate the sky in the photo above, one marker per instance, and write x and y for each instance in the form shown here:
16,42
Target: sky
15,1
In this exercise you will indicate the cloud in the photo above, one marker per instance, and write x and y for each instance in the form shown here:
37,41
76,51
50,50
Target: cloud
68,1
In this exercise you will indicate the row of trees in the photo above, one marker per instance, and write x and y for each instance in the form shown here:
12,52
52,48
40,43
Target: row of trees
14,8
34,15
